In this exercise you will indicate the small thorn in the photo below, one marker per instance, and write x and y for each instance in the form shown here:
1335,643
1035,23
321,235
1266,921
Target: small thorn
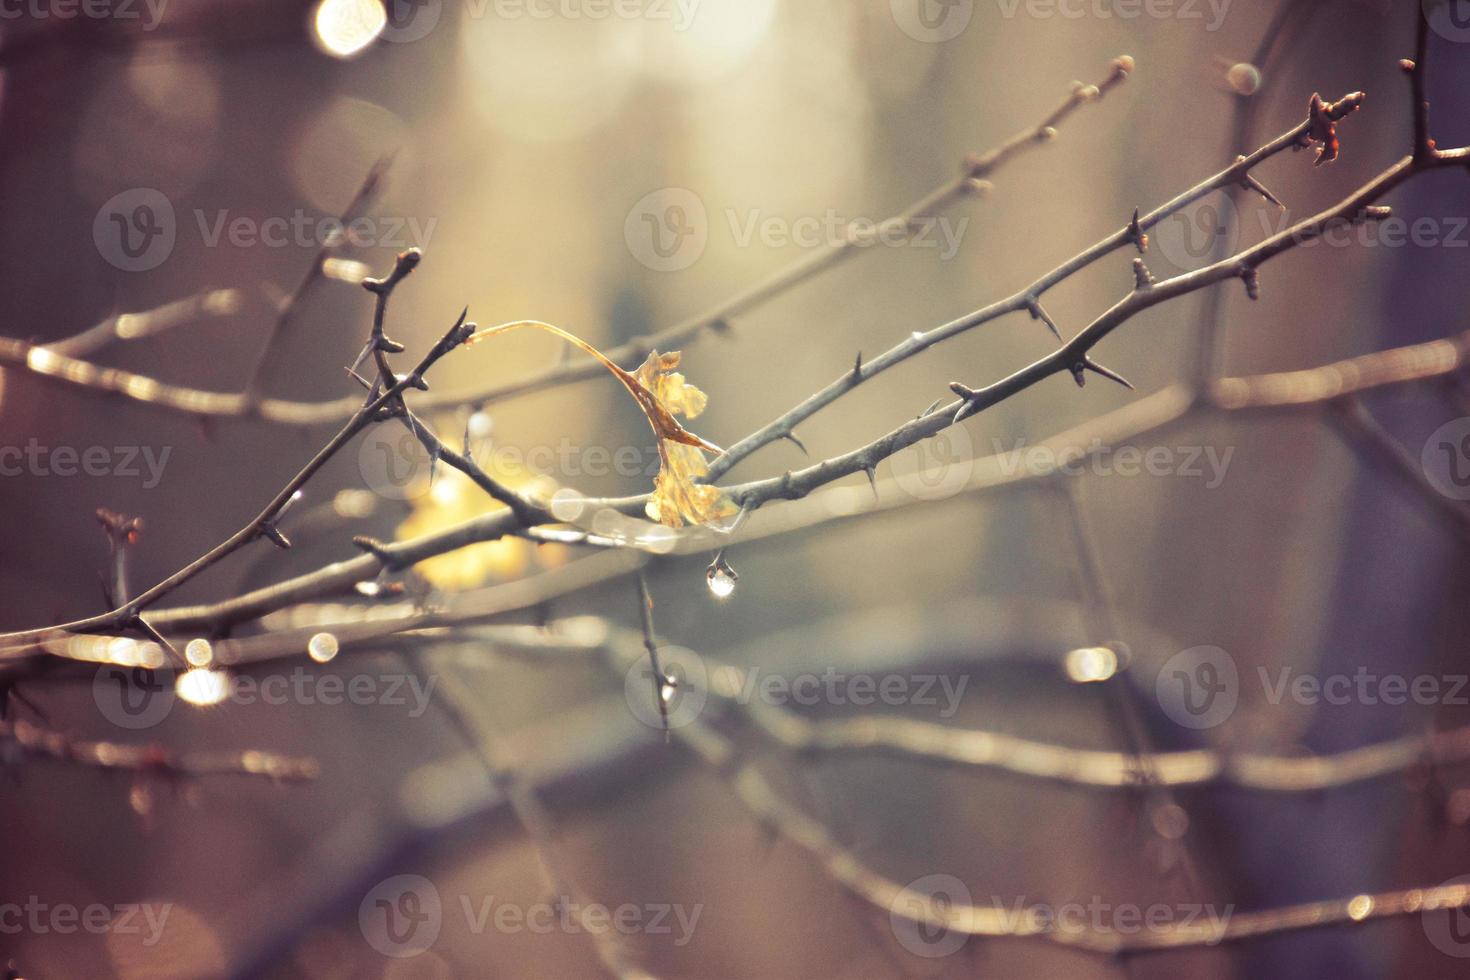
1137,235
361,356
792,437
930,410
373,547
857,368
1108,373
872,474
389,346
1252,183
969,406
274,535
1033,305
359,379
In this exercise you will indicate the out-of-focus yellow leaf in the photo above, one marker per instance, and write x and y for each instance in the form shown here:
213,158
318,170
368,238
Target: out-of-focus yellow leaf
662,393
453,500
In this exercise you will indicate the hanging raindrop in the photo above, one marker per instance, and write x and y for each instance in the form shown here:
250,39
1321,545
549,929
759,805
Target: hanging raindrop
721,577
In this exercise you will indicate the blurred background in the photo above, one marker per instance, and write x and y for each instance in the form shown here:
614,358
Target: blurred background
531,145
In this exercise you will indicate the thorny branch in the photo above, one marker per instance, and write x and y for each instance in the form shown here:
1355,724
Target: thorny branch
65,365
1335,386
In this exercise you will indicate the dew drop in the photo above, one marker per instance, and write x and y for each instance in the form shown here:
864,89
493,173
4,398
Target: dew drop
322,647
668,688
203,687
567,505
1090,665
481,425
721,577
199,653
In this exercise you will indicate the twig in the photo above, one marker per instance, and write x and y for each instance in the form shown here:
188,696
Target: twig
149,391
30,740
1023,299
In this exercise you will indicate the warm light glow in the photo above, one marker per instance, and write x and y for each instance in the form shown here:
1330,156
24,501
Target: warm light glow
199,653
1090,665
203,687
322,647
345,27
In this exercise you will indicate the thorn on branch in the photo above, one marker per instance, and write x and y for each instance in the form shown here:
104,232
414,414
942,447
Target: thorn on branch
857,368
1142,278
1091,365
1251,183
273,534
1137,235
376,548
970,405
793,438
871,472
1038,312
930,410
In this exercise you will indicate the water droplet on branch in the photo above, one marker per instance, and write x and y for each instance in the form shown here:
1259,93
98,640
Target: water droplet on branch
721,577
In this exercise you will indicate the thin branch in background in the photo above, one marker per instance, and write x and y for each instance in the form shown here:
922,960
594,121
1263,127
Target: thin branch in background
1167,820
56,366
23,740
149,323
535,820
366,193
661,683
1371,440
122,533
